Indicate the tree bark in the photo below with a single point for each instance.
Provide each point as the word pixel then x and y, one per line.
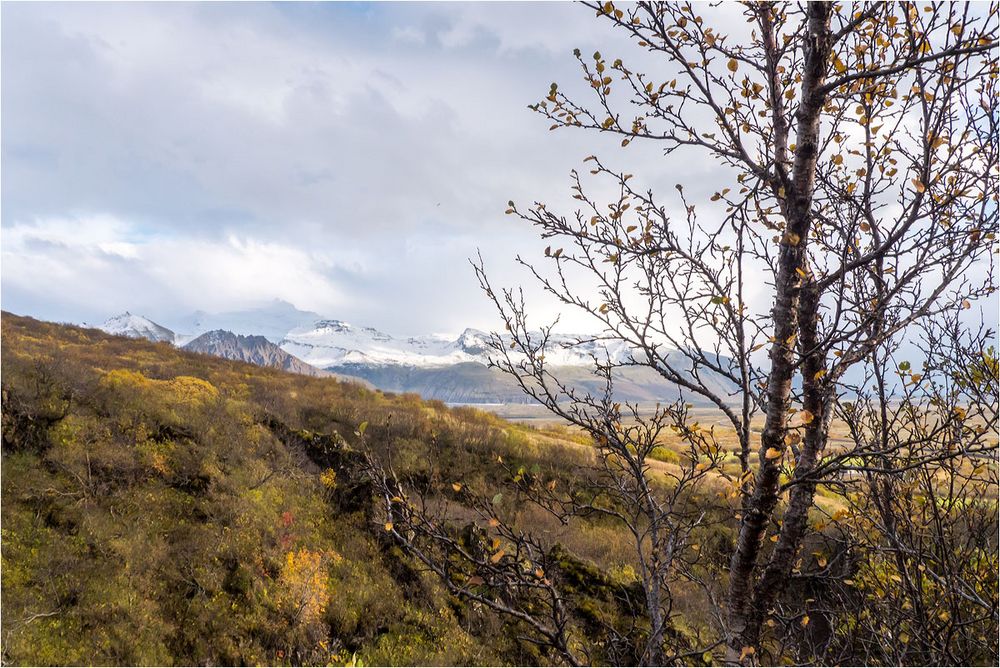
pixel 796 205
pixel 816 399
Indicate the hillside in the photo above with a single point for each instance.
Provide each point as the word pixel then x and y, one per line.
pixel 164 507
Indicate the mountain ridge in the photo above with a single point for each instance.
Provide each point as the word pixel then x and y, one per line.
pixel 254 349
pixel 451 369
pixel 137 327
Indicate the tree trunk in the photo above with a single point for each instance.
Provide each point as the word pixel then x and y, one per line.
pixel 816 399
pixel 797 204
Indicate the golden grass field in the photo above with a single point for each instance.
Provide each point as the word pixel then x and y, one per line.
pixel 551 429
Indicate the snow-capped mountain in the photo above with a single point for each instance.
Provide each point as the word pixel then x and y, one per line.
pixel 456 369
pixel 137 327
pixel 436 366
pixel 333 343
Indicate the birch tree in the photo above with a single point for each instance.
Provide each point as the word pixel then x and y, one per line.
pixel 857 153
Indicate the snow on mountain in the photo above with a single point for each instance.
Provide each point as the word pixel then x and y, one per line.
pixel 136 327
pixel 329 343
pixel 436 366
pixel 333 343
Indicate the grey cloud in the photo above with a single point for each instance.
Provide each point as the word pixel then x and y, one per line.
pixel 373 165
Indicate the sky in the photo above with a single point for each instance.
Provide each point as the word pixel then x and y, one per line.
pixel 346 158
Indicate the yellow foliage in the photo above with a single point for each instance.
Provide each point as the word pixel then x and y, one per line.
pixel 328 478
pixel 180 390
pixel 193 390
pixel 124 378
pixel 305 579
pixel 159 463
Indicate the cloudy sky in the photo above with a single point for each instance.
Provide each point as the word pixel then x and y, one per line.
pixel 347 158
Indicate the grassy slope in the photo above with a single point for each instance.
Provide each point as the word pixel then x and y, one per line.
pixel 157 510
pixel 159 521
pixel 164 507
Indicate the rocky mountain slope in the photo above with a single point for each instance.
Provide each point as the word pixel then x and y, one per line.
pixel 475 383
pixel 254 349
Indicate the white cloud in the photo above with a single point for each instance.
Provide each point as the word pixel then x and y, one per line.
pixel 347 159
pixel 111 261
pixel 409 35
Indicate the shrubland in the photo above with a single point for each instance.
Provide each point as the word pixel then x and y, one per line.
pixel 164 507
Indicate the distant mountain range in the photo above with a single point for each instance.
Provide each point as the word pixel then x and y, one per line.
pixel 437 367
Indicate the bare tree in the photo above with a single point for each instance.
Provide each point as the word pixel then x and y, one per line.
pixel 923 521
pixel 857 147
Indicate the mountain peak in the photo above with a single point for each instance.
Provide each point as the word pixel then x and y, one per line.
pixel 137 327
pixel 254 349
pixel 333 325
pixel 473 341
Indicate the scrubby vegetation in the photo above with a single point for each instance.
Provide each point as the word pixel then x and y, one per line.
pixel 163 507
